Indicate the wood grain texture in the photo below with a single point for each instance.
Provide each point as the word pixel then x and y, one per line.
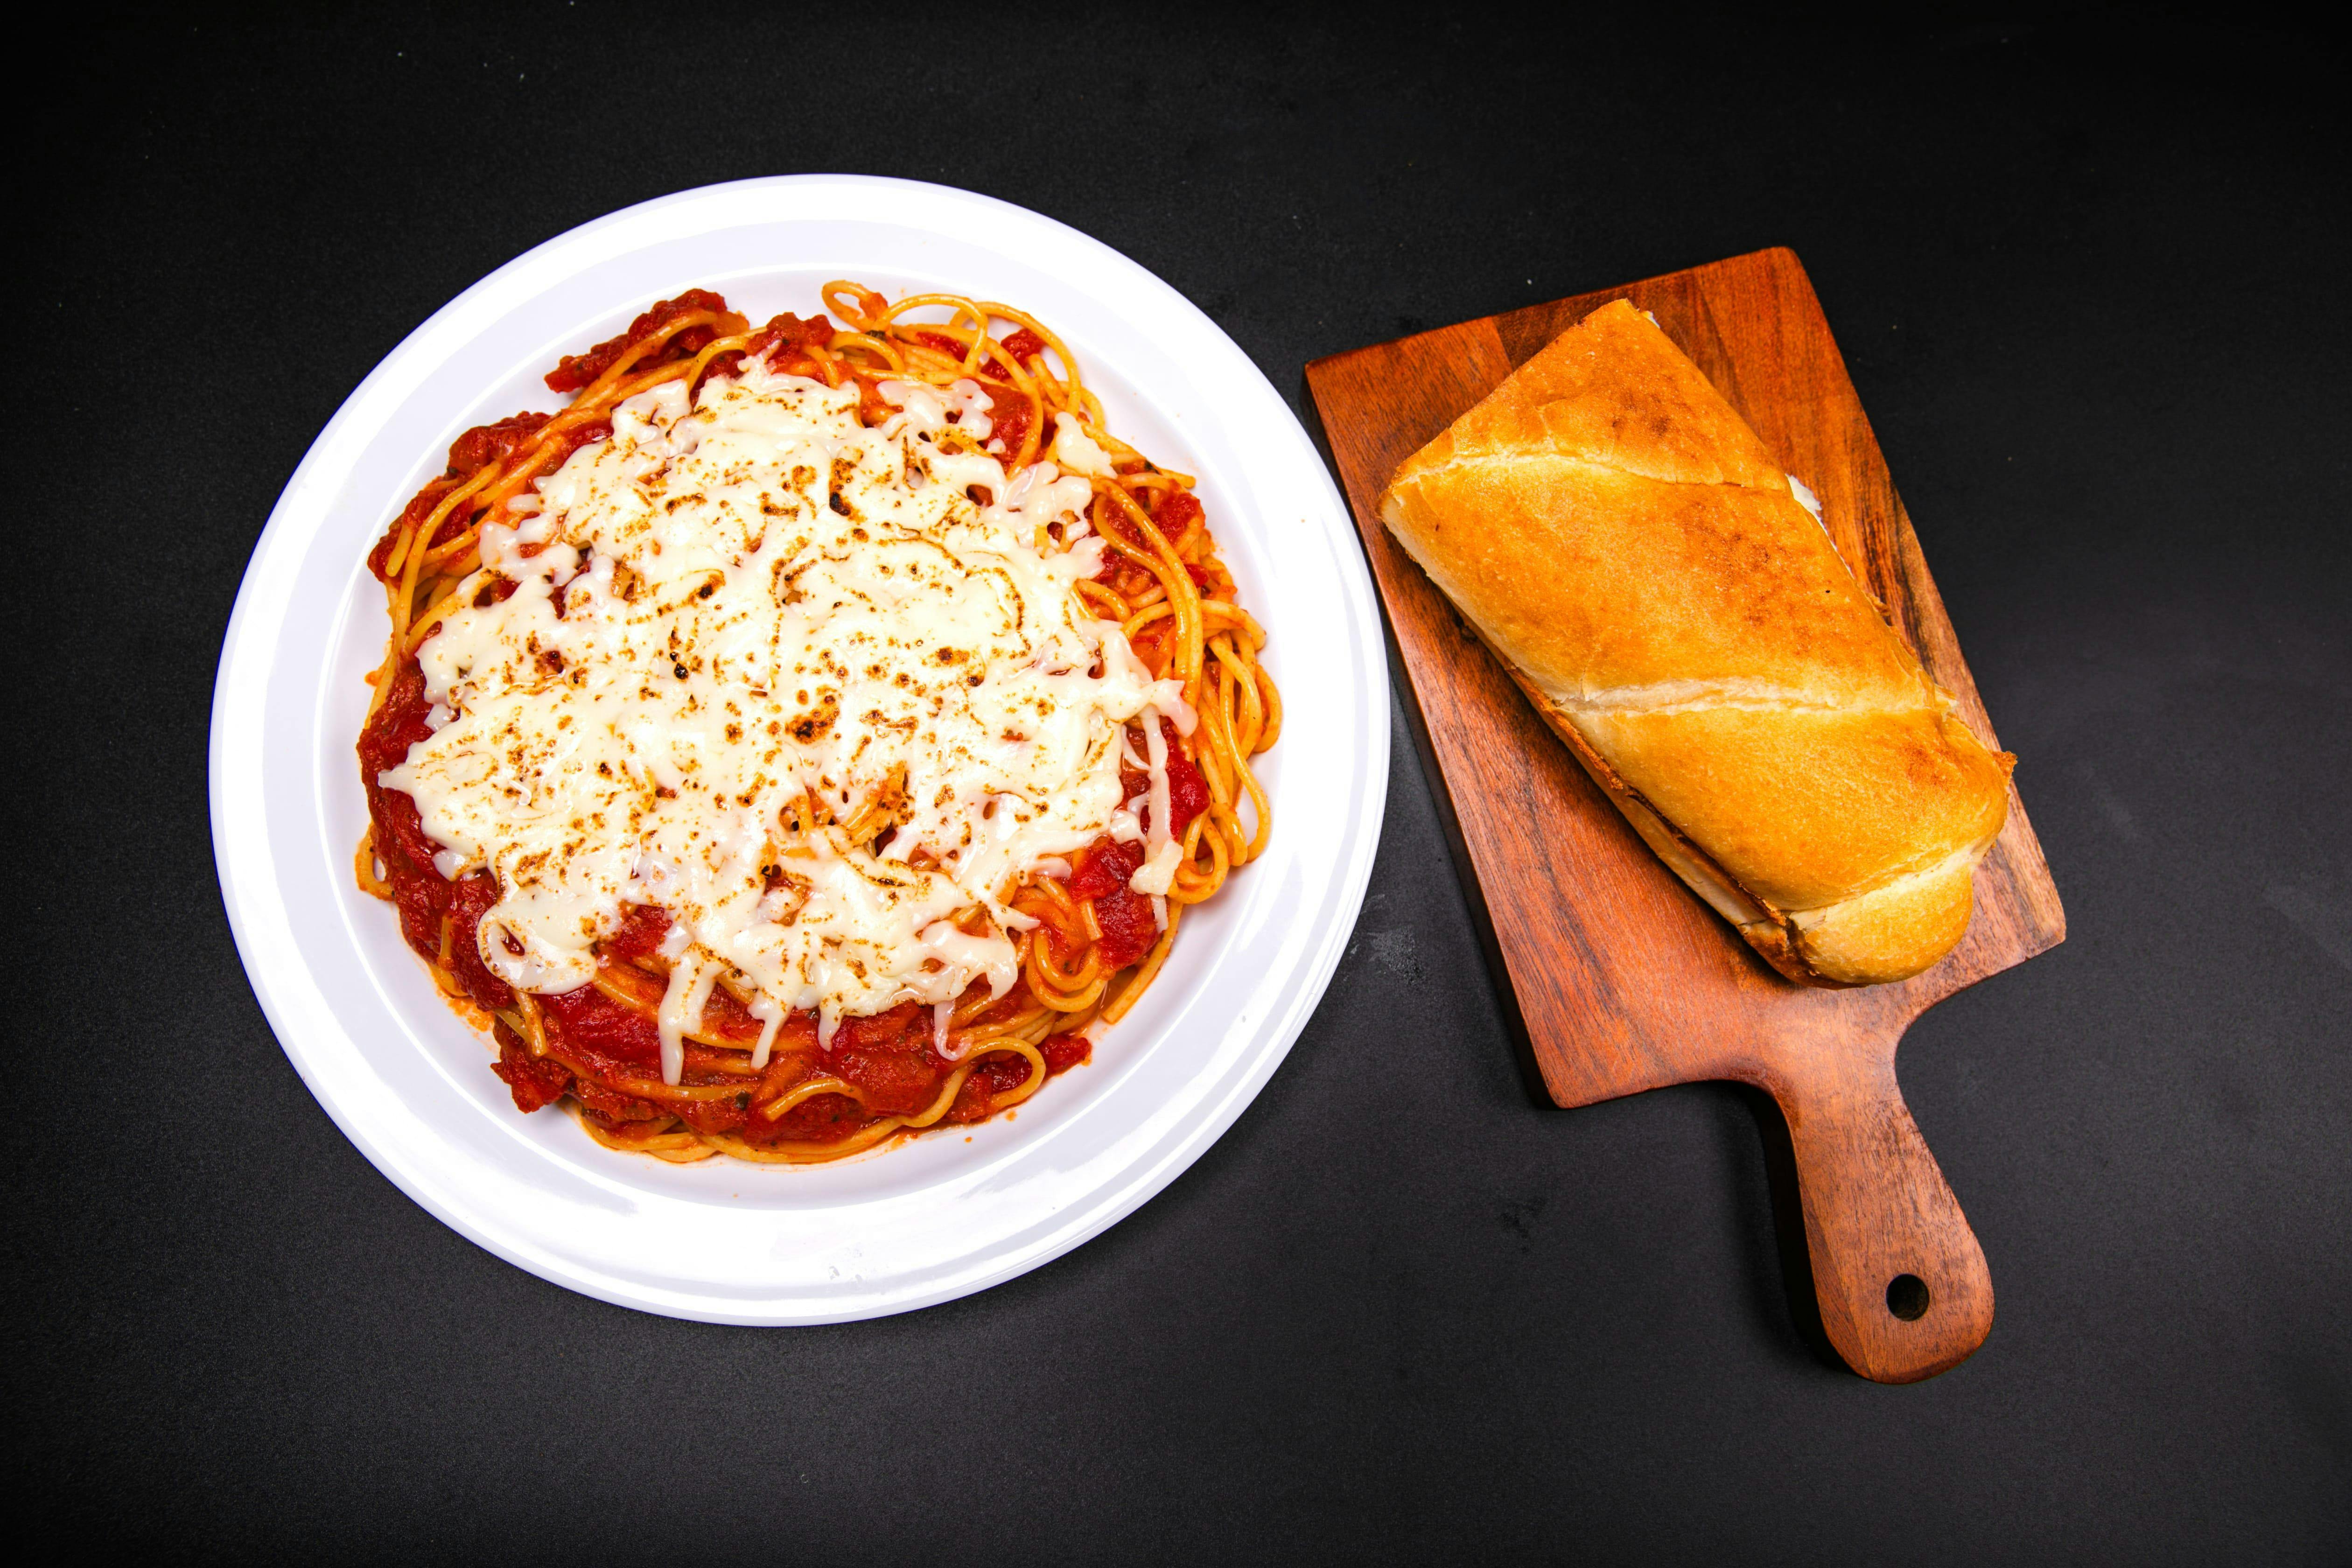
pixel 1623 980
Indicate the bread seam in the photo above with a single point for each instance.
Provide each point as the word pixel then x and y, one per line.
pixel 1414 476
pixel 1611 702
pixel 1968 854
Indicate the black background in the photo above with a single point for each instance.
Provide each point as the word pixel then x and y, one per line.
pixel 2090 279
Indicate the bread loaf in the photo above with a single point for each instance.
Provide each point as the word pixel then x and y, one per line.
pixel 1637 559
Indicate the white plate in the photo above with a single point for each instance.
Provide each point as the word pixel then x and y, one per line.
pixel 934 1218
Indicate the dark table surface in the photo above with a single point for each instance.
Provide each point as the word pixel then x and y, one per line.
pixel 2090 283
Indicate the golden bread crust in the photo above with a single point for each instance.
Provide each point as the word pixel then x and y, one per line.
pixel 1807 807
pixel 1596 581
pixel 1850 942
pixel 1613 390
pixel 1629 550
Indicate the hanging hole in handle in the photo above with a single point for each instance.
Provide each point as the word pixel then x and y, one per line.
pixel 1907 1296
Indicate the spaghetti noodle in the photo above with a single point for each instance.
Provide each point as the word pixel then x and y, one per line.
pixel 811 735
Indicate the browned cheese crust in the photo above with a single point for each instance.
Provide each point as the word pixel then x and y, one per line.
pixel 1629 549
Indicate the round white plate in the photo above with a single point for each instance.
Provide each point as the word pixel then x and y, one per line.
pixel 936 1218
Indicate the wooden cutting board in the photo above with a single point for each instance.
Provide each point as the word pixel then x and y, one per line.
pixel 1624 980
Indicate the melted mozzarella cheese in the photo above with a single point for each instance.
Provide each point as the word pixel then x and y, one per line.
pixel 1077 451
pixel 724 610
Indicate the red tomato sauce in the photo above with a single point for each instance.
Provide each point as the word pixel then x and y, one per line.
pixel 495 442
pixel 1099 874
pixel 1010 414
pixel 574 372
pixel 1176 513
pixel 1188 792
pixel 787 341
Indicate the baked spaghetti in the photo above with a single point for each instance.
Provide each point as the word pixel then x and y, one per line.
pixel 811 735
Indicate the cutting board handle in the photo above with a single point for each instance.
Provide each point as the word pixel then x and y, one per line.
pixel 1902 1283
